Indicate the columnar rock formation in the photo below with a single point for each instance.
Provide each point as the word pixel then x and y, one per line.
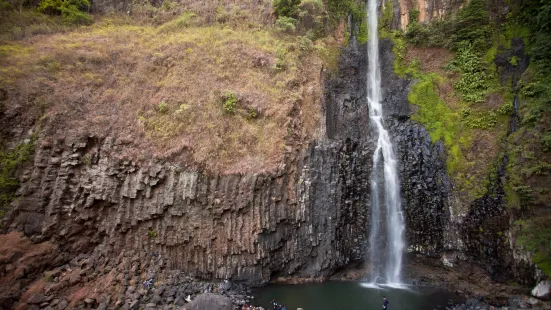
pixel 307 220
pixel 428 10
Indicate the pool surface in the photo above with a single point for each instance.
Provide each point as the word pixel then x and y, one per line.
pixel 335 295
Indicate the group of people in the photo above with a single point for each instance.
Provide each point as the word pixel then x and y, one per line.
pixel 278 306
pixel 282 307
pixel 251 307
pixel 274 304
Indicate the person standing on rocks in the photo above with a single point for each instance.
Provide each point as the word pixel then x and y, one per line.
pixel 385 303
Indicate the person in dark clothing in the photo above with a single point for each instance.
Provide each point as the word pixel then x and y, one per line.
pixel 385 303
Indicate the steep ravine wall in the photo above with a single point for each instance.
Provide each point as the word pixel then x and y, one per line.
pixel 306 221
pixel 428 10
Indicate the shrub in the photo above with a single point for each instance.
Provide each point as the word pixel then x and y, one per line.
pixel 71 10
pixel 473 25
pixel 281 59
pixel 185 20
pixel 312 18
pixel 162 107
pixel 10 162
pixel 416 34
pixel 252 114
pixel 534 236
pixel 286 8
pixel 340 8
pixel 230 102
pixel 473 83
pixel 306 44
pixel 286 24
pixel 5 6
pixel 152 234
pixel 546 141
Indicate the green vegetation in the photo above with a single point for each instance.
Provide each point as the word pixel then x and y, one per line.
pixel 162 107
pixel 474 79
pixel 187 19
pixel 441 121
pixel 10 162
pixel 230 102
pixel 152 234
pixel 471 24
pixel 73 11
pixel 472 120
pixel 341 8
pixel 17 25
pixel 536 238
pixel 286 8
pixel 286 24
pixel 462 104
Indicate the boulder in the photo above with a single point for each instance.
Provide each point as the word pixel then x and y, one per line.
pixel 62 304
pixel 36 299
pixel 542 290
pixel 210 301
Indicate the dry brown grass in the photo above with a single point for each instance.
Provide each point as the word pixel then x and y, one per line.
pixel 432 59
pixel 20 261
pixel 18 250
pixel 110 80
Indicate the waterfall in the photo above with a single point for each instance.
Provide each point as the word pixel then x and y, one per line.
pixel 386 239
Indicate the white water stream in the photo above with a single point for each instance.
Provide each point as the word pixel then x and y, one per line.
pixel 386 240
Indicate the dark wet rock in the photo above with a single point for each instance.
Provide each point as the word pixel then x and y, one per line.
pixel 62 304
pixel 102 306
pixel 134 305
pixel 36 299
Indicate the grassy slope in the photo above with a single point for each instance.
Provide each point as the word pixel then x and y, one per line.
pixel 159 89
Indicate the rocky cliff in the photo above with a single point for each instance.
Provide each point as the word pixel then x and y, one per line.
pixel 426 9
pixel 307 220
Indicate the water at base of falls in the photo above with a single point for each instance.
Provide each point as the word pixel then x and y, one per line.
pixel 334 295
pixel 386 241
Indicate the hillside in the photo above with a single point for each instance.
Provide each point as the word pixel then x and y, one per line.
pixel 192 142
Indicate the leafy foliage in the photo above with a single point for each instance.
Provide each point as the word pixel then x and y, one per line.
pixel 71 10
pixel 286 24
pixel 286 8
pixel 472 25
pixel 10 162
pixel 441 121
pixel 162 107
pixel 340 8
pixel 185 20
pixel 536 237
pixel 473 83
pixel 230 102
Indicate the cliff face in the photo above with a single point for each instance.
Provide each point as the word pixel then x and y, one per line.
pixel 306 220
pixel 428 10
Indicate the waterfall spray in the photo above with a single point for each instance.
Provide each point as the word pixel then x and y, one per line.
pixel 386 250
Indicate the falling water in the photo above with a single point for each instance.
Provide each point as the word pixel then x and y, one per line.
pixel 385 248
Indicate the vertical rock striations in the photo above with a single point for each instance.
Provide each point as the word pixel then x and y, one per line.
pixel 306 220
